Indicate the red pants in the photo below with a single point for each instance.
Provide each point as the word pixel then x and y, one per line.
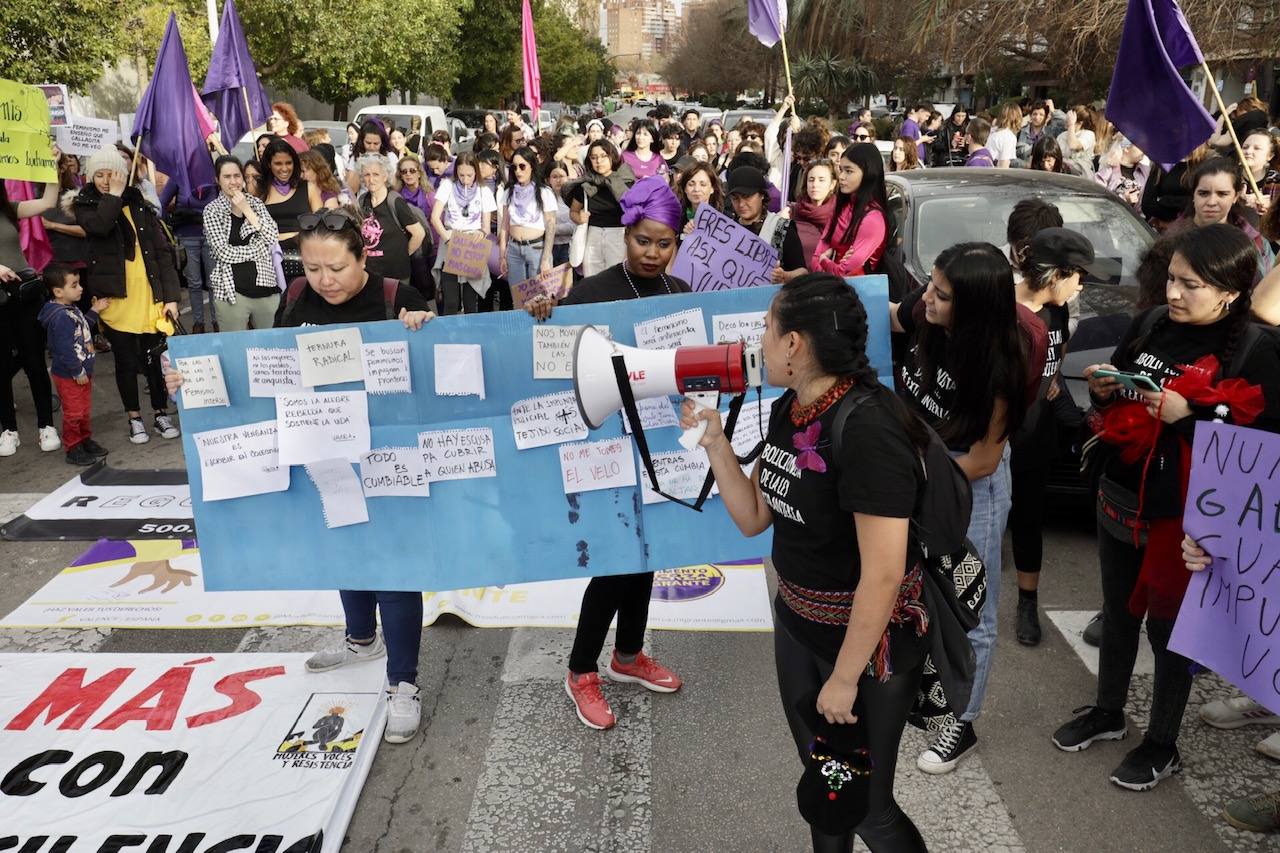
pixel 77 410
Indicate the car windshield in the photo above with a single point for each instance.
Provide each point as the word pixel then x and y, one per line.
pixel 411 124
pixel 1119 240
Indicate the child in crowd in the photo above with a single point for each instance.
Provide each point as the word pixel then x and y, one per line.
pixel 71 343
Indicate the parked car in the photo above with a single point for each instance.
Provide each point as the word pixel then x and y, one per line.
pixel 473 119
pixel 732 118
pixel 937 208
pixel 416 118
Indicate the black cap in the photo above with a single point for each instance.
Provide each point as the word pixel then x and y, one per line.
pixel 1061 248
pixel 746 180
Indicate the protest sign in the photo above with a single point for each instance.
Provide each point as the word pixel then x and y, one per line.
pixel 1230 612
pixel 168 751
pixel 330 357
pixel 320 426
pixel 87 136
pixel 240 461
pixel 202 382
pixel 55 95
pixel 554 283
pixel 553 350
pixel 719 254
pixel 467 255
pixel 25 151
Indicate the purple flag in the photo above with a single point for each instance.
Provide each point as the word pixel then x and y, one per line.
pixel 232 90
pixel 167 119
pixel 1149 101
pixel 767 20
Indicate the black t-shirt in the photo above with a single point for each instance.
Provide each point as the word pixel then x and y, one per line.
pixel 1056 319
pixel 792 255
pixel 611 285
pixel 815 543
pixel 605 210
pixel 245 275
pixel 386 243
pixel 366 306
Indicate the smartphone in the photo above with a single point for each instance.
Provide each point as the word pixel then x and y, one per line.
pixel 1132 381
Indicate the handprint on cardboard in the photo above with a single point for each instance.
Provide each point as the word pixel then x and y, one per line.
pixel 162 573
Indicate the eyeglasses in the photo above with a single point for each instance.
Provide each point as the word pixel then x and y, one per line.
pixel 409 171
pixel 862 137
pixel 331 220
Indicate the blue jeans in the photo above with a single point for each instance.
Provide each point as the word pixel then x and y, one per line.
pixel 198 269
pixel 401 627
pixel 992 497
pixel 523 262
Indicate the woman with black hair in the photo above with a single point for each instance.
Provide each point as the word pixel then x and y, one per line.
pixel 462 205
pixel 1187 349
pixel 856 236
pixel 287 195
pixel 1217 196
pixel 594 201
pixel 641 153
pixel 373 140
pixel 850 637
pixel 974 367
pixel 1046 156
pixel 526 218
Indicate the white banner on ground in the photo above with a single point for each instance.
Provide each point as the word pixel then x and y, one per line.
pixel 159 584
pixel 102 501
pixel 164 751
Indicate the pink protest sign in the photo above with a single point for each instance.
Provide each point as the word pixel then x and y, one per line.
pixel 719 254
pixel 1231 610
pixel 467 256
pixel 555 283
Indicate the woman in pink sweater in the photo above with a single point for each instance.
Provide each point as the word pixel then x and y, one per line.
pixel 855 239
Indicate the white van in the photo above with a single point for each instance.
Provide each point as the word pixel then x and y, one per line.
pixel 415 118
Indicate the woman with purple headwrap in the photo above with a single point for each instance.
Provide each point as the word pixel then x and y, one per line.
pixel 651 218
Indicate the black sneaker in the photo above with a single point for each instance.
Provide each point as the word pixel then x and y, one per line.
pixel 78 455
pixel 1028 621
pixel 952 743
pixel 1093 631
pixel 1144 767
pixel 1093 724
pixel 93 447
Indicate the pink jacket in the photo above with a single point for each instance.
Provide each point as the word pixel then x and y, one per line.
pixel 858 257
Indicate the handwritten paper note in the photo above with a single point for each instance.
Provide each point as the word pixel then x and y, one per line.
pixel 87 136
pixel 458 454
pixel 467 255
pixel 386 368
pixel 555 283
pixel 655 413
pixel 240 461
pixel 680 473
pixel 330 357
pixel 719 254
pixel 394 472
pixel 751 427
pixel 459 370
pixel 272 371
pixel 325 425
pixel 550 419
pixel 592 465
pixel 682 329
pixel 553 350
pixel 202 382
pixel 341 499
pixel 731 328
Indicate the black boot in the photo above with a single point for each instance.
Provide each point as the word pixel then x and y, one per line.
pixel 1028 619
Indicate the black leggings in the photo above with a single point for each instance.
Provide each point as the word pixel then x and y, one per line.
pixel 1033 449
pixel 132 353
pixel 457 297
pixel 21 331
pixel 625 595
pixel 801 674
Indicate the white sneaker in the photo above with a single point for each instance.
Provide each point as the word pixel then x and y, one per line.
pixel 49 439
pixel 1236 712
pixel 1270 747
pixel 9 442
pixel 347 652
pixel 165 427
pixel 404 713
pixel 138 431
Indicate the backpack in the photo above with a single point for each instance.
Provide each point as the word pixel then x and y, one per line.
pixel 291 296
pixel 418 216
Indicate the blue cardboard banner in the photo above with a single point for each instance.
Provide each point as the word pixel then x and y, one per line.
pixel 516 527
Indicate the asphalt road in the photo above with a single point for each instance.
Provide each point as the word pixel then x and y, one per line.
pixel 502 764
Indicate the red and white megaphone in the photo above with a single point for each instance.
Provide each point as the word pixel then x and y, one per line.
pixel 701 373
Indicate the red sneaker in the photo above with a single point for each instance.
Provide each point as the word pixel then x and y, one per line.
pixel 589 701
pixel 645 671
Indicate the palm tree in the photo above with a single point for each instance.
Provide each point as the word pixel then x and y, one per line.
pixel 833 79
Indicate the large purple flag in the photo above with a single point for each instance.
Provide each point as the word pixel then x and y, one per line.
pixel 1149 101
pixel 232 90
pixel 167 119
pixel 767 20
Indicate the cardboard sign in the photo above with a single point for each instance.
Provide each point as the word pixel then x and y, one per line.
pixel 719 254
pixel 467 255
pixel 87 136
pixel 1225 622
pixel 555 283
pixel 25 152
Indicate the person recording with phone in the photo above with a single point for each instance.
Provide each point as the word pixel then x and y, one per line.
pixel 1209 363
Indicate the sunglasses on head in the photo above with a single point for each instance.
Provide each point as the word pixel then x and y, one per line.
pixel 331 220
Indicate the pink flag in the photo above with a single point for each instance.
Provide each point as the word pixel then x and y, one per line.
pixel 32 238
pixel 532 76
pixel 203 115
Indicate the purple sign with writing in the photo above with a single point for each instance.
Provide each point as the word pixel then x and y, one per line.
pixel 1231 612
pixel 719 254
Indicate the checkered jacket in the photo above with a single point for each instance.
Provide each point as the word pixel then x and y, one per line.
pixel 262 240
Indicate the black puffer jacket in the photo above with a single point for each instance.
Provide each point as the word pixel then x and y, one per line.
pixel 112 242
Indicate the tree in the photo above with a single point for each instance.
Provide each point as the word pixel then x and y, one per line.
pixel 836 81
pixel 66 42
pixel 573 63
pixel 719 55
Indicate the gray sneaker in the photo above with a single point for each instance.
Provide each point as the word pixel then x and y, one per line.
pixel 1260 813
pixel 165 427
pixel 404 713
pixel 347 652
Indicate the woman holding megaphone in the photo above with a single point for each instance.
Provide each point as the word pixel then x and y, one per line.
pixel 651 219
pixel 850 636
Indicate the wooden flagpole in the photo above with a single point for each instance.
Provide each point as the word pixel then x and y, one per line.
pixel 1226 120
